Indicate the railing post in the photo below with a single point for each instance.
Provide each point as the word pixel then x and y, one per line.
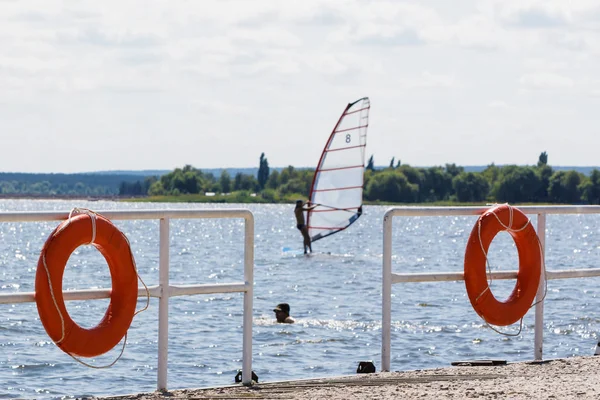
pixel 538 346
pixel 386 293
pixel 163 305
pixel 248 295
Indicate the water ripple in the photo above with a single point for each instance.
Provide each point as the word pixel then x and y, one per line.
pixel 335 297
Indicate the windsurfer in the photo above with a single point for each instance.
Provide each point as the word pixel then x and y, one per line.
pixel 301 224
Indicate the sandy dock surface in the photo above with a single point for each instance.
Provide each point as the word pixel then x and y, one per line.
pixel 570 378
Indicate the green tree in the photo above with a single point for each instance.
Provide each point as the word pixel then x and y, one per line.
pixel 436 184
pixel 371 164
pixel 367 177
pixel 80 188
pixel 270 195
pixel 590 188
pixel 245 182
pixel 543 159
pixel 208 183
pixel 414 176
pixel 491 173
pixel 132 189
pixel 7 187
pixel 263 172
pixel 295 185
pixel 157 189
pixel 287 174
pixel 187 180
pixel 225 181
pixel 454 170
pixel 182 180
pixel 470 187
pixel 565 187
pixel 237 181
pixel 273 181
pixel 544 173
pixel 42 187
pixel 392 186
pixel 517 184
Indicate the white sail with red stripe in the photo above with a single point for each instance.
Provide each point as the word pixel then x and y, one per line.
pixel 337 185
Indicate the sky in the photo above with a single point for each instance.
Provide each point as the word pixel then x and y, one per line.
pixel 147 84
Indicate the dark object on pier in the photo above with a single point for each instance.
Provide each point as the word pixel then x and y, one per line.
pixel 478 363
pixel 365 367
pixel 238 377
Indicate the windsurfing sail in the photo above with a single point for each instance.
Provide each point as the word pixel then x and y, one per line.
pixel 338 181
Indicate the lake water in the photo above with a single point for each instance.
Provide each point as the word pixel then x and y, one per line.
pixel 335 296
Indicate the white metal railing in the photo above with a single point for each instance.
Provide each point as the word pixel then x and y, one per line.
pixel 164 290
pixel 390 278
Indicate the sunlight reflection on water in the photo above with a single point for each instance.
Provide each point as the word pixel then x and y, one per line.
pixel 335 296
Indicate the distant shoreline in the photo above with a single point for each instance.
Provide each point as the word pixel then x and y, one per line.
pixel 17 196
pixel 191 199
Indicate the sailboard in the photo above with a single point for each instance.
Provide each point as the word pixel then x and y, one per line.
pixel 337 185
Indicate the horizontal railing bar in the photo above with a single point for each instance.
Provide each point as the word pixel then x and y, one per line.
pixel 453 211
pixel 153 291
pixel 27 216
pixel 206 289
pixel 428 277
pixel 184 290
pixel 460 276
pixel 573 273
pixel 80 294
pixel 447 276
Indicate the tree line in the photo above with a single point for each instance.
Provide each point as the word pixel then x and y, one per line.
pixel 81 184
pixel 397 183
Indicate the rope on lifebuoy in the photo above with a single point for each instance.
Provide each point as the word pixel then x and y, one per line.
pixel 493 312
pixel 113 241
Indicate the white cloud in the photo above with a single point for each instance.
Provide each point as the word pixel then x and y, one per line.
pixel 212 83
pixel 477 32
pixel 546 80
pixel 277 37
pixel 498 104
pixel 536 16
pixel 429 80
pixel 546 14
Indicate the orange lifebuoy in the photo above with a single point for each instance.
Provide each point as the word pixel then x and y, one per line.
pixel 502 218
pixel 86 228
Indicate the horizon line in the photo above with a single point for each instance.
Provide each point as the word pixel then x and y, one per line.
pixel 113 171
